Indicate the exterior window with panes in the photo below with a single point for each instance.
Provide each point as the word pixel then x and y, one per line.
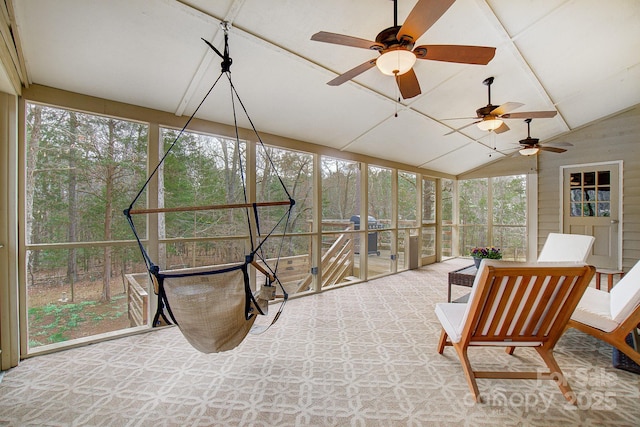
pixel 591 194
pixel 81 170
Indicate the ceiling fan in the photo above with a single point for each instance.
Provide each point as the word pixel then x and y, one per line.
pixel 491 116
pixel 396 47
pixel 531 146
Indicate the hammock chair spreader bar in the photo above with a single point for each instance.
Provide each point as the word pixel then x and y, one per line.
pixel 290 202
pixel 262 270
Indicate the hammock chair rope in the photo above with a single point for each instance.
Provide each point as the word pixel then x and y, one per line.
pixel 215 306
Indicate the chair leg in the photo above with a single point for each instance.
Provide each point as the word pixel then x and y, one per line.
pixel 556 374
pixel 615 338
pixel 468 372
pixel 622 345
pixel 510 350
pixel 443 341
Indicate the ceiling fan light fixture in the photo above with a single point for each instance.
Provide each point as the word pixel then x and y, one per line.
pixel 529 151
pixel 396 62
pixel 490 123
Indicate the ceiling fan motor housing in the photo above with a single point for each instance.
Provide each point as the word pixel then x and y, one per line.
pixel 388 37
pixel 485 111
pixel 530 141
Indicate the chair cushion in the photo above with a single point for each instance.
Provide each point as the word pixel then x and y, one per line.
pixel 593 310
pixel 450 316
pixel 625 295
pixel 566 247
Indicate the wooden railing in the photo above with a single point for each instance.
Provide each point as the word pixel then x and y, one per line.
pixel 294 273
pixel 337 262
pixel 137 299
pixel 291 271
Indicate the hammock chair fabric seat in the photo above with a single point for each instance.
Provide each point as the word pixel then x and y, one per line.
pixel 210 305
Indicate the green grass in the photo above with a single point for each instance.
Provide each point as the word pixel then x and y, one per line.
pixel 56 322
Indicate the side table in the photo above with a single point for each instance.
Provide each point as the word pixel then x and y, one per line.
pixel 609 274
pixel 461 277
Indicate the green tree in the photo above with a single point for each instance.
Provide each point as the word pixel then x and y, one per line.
pixel 407 198
pixel 340 189
pixel 81 171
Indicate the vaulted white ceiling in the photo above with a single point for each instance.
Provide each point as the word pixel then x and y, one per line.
pixel 579 57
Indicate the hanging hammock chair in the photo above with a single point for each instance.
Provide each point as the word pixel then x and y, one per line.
pixel 215 307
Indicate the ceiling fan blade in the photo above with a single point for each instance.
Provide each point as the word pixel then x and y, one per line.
pixel 530 115
pixel 559 144
pixel 465 126
pixel 408 84
pixel 460 118
pixel 461 54
pixel 505 108
pixel 423 15
pixel 502 128
pixel 352 73
pixel 552 149
pixel 343 40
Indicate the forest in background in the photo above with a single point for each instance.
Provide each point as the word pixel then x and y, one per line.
pixel 83 170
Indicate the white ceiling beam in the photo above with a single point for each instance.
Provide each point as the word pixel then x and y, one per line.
pixel 509 45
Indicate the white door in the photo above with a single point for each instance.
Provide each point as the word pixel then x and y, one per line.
pixel 591 197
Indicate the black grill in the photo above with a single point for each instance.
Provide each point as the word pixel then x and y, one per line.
pixel 372 237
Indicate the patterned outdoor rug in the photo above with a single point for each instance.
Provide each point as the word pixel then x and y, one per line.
pixel 362 355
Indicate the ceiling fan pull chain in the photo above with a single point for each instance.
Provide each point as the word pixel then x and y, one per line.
pixel 397 96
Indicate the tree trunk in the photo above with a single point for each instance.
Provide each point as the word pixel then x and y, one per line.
pixel 72 211
pixel 109 178
pixel 231 163
pixel 266 176
pixel 33 147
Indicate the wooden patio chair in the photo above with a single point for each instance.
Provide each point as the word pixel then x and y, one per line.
pixel 612 316
pixel 515 305
pixel 566 247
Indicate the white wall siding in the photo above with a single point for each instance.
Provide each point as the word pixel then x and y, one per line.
pixel 616 138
